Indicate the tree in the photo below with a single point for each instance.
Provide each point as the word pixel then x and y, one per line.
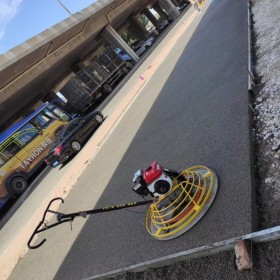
pixel 144 20
pixel 128 37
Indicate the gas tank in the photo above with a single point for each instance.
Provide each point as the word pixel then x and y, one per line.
pixel 152 172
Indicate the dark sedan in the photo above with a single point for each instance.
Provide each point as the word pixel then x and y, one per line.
pixel 162 25
pixel 70 139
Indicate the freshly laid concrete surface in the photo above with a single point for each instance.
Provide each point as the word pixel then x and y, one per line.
pixel 192 110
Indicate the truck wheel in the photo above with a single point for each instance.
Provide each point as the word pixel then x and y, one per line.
pixel 76 146
pixel 125 70
pixel 106 89
pixel 18 185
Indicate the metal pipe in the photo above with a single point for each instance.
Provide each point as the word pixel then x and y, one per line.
pixel 250 61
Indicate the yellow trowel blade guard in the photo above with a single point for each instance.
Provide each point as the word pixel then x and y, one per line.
pixel 180 209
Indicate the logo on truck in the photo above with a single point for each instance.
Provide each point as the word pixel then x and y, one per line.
pixel 28 160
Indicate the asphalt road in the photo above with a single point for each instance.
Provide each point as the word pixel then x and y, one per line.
pixel 194 110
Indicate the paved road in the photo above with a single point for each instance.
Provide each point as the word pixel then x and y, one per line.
pixel 194 110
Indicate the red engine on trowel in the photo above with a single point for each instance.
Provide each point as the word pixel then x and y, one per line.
pixel 154 180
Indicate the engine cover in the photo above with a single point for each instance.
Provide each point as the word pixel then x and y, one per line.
pixel 153 180
pixel 161 185
pixel 152 172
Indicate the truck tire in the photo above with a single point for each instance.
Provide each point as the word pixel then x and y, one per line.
pixel 125 70
pixel 18 185
pixel 106 89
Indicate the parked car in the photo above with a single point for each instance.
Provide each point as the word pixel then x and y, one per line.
pixel 141 48
pixel 71 137
pixel 162 25
pixel 135 44
pixel 183 6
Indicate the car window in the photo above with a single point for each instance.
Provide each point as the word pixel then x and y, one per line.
pixel 55 113
pixel 2 160
pixel 26 134
pixel 11 150
pixel 41 120
pixel 70 127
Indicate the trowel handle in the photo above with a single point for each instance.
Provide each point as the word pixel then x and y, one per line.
pixel 42 225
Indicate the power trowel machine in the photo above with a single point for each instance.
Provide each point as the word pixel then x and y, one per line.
pixel 179 201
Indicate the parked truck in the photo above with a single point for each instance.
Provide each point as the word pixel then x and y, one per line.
pixel 95 80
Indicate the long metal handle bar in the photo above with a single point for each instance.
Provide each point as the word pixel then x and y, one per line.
pixel 63 218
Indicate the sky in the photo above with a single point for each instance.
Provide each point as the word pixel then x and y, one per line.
pixel 20 20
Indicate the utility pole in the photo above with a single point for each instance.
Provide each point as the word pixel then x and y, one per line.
pixel 64 7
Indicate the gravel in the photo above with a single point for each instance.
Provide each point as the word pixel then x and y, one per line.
pixel 267 108
pixel 266 136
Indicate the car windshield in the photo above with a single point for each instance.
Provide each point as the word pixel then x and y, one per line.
pixel 68 129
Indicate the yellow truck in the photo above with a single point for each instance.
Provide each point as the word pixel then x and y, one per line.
pixel 24 146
